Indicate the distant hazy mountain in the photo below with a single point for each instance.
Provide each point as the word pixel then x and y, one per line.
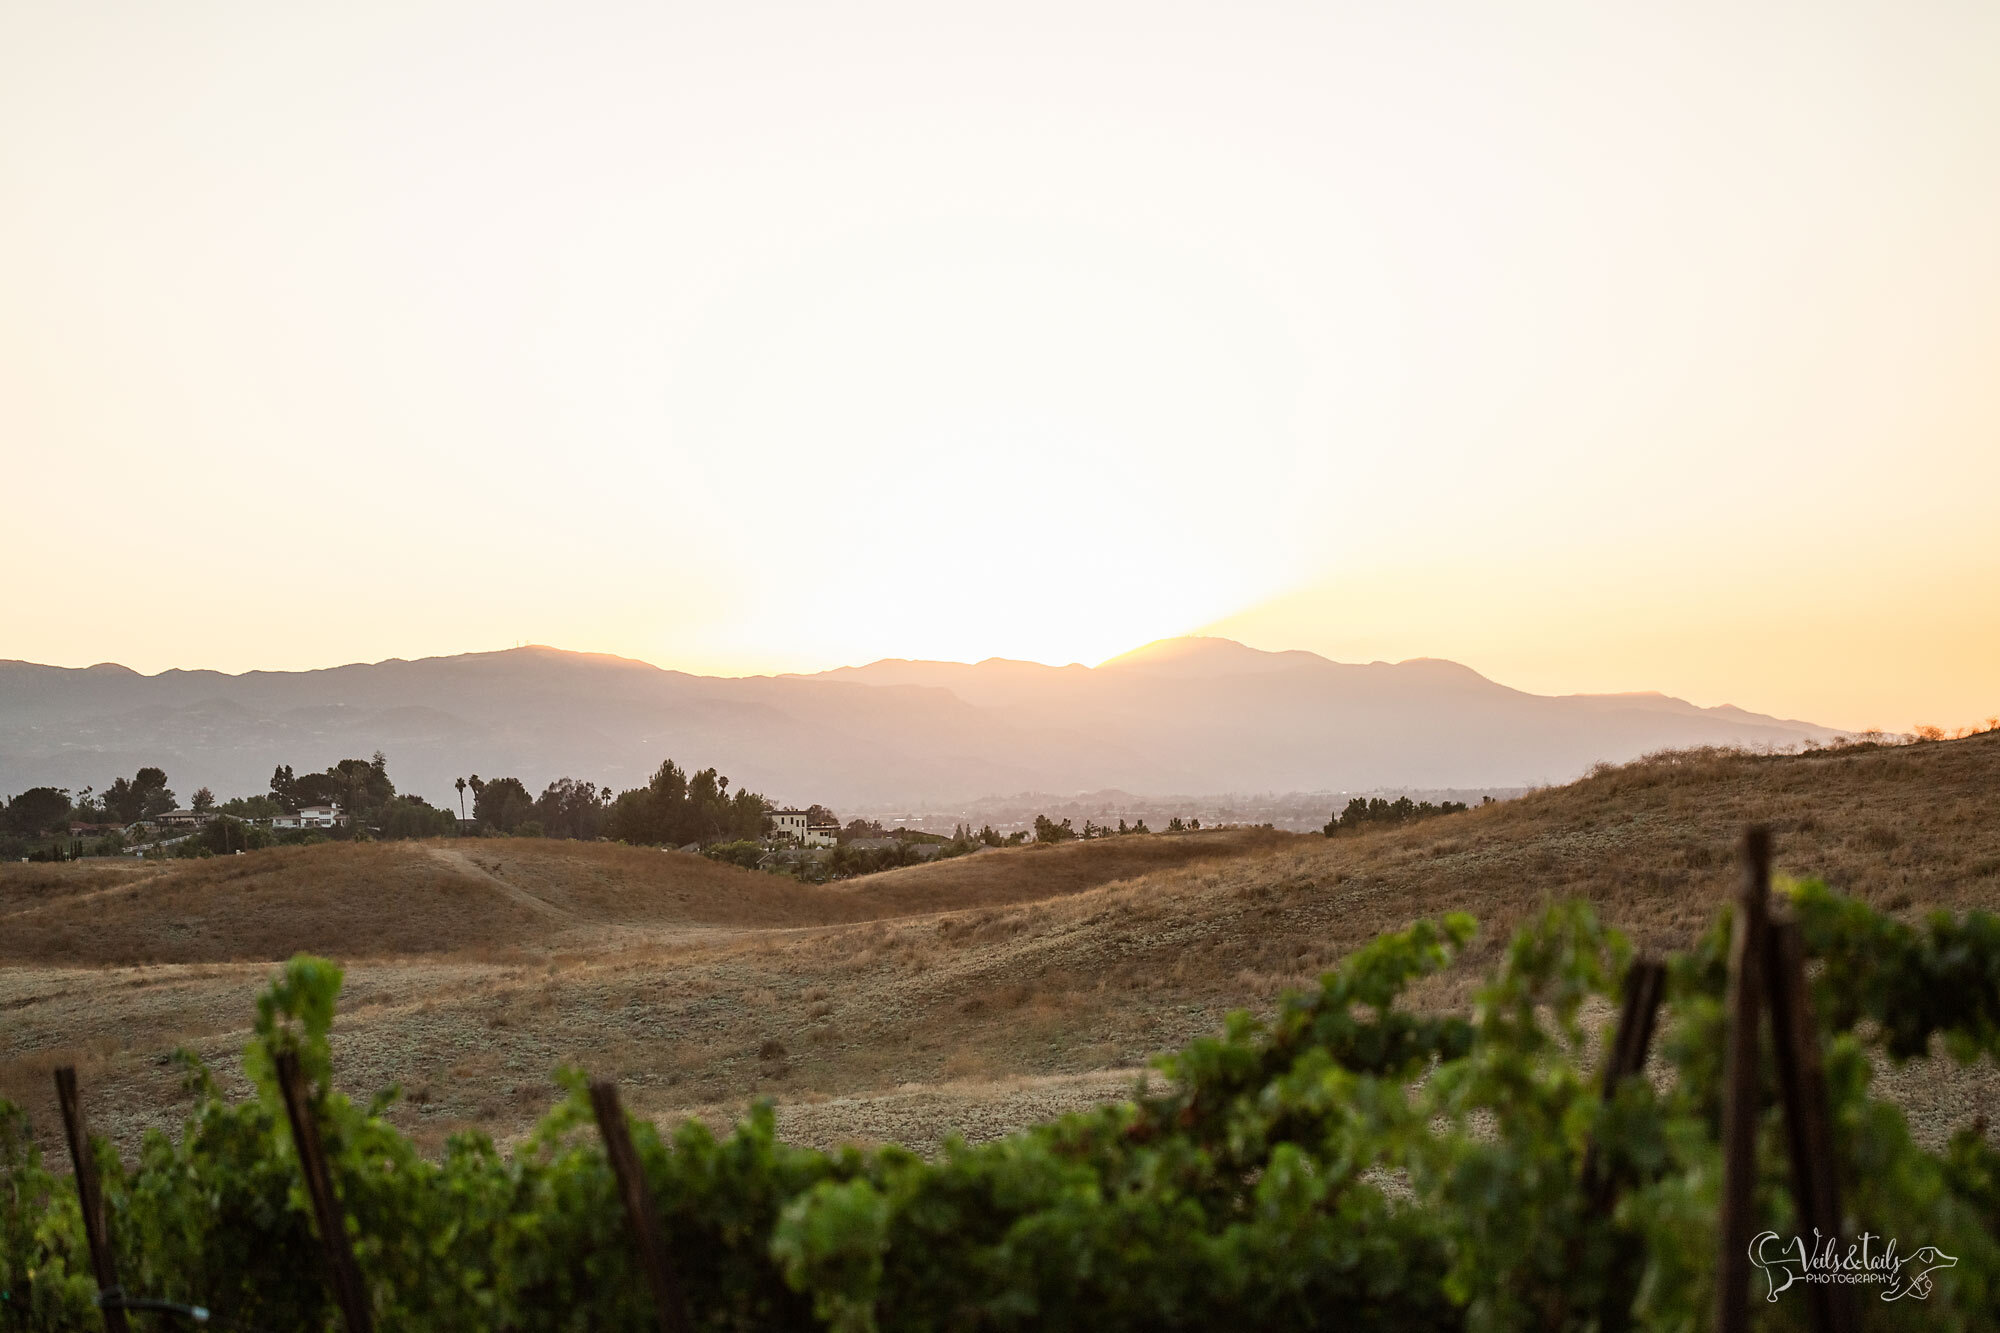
pixel 1181 715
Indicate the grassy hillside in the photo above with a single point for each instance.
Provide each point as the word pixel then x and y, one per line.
pixel 512 897
pixel 354 900
pixel 971 994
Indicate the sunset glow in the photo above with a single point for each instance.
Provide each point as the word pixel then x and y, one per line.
pixel 1598 349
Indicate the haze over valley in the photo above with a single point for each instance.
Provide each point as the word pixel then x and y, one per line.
pixel 1192 716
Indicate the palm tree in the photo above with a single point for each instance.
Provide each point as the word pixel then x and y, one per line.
pixel 461 797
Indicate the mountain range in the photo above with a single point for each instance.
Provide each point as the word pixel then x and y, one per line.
pixel 1181 715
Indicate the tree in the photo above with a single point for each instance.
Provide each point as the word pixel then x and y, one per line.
pixel 360 787
pixel 633 818
pixel 504 804
pixel 202 801
pixel 413 817
pixel 259 806
pixel 460 784
pixel 317 789
pixel 144 794
pixel 749 814
pixel 121 802
pixel 37 810
pixel 704 797
pixel 1355 814
pixel 1047 830
pixel 572 809
pixel 224 837
pixel 155 798
pixel 364 786
pixel 669 787
pixel 676 809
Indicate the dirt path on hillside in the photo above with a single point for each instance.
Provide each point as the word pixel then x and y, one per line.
pixel 471 869
pixel 91 895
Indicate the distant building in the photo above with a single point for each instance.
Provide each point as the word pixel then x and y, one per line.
pixel 311 816
pixel 182 818
pixel 798 825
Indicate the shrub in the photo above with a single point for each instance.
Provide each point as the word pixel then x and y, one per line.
pixel 746 853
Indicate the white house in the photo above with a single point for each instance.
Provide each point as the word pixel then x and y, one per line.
pixel 311 816
pixel 797 825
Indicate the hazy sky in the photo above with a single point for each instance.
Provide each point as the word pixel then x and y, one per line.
pixel 1599 346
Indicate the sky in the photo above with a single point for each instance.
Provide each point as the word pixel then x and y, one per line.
pixel 1598 346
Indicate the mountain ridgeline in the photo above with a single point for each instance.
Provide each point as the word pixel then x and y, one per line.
pixel 1183 715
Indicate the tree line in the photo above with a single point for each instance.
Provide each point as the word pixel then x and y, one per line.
pixel 1377 813
pixel 674 808
pixel 41 810
pixel 1051 830
pixel 36 823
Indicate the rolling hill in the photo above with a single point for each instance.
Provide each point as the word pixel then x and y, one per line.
pixel 1180 716
pixel 967 995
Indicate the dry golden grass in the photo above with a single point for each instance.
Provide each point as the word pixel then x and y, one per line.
pixel 492 896
pixel 30 884
pixel 1026 874
pixel 350 900
pixel 896 999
